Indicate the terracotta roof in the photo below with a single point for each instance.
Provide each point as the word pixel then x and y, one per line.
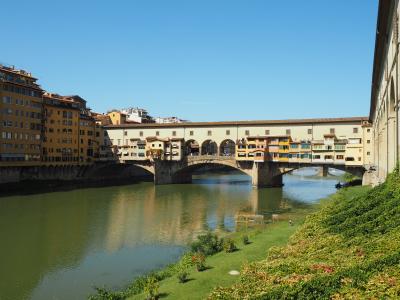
pixel 239 123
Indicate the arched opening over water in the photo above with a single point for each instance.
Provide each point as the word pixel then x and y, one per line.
pixel 209 147
pixel 205 173
pixel 227 148
pixel 192 148
pixel 334 171
pixel 122 172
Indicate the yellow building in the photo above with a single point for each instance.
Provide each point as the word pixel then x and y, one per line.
pixel 61 128
pixel 284 144
pixel 117 118
pixel 21 118
pixel 89 145
pixel 156 147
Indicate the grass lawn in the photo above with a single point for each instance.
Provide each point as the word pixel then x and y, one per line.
pixel 200 284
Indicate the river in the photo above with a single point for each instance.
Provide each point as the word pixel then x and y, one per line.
pixel 58 245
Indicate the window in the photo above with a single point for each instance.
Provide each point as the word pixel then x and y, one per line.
pixel 355 130
pixel 368 153
pixel 209 133
pixel 368 141
pixel 191 132
pixel 174 133
pixel 6 100
pixel 339 157
pixel 287 131
pixel 125 133
pixel 140 133
pixel 247 132
pixel 368 130
pixel 332 131
pixel 309 131
pixel 228 132
pixel 157 133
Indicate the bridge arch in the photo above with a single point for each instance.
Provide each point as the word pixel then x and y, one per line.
pixel 209 147
pixel 184 173
pixel 192 148
pixel 227 148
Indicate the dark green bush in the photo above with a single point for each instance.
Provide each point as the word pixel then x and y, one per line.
pixel 183 276
pixel 208 244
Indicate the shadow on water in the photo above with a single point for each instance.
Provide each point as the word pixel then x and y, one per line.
pixel 30 187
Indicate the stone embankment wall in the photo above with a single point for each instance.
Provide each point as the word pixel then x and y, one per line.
pixel 98 172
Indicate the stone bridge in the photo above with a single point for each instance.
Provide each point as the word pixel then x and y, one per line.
pixel 263 174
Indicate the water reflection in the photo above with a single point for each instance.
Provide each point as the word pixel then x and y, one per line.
pixel 58 245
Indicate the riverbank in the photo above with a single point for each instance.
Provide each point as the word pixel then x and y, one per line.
pixel 347 250
pixel 200 284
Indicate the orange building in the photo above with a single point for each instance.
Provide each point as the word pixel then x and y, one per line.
pixel 61 126
pixel 21 118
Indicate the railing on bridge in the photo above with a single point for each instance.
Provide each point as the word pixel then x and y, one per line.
pixel 209 157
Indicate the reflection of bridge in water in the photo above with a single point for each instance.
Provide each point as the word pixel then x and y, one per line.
pixel 263 174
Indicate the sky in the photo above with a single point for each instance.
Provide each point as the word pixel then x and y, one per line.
pixel 205 60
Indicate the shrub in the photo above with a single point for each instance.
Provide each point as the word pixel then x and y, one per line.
pixel 151 288
pixel 105 294
pixel 245 239
pixel 183 276
pixel 208 244
pixel 229 245
pixel 199 260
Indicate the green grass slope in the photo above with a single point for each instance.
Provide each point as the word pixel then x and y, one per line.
pixel 350 249
pixel 200 284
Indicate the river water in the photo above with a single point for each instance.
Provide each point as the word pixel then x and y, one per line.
pixel 58 245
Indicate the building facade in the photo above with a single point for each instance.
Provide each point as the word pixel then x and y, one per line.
pixel 384 109
pixel 344 141
pixel 21 112
pixel 41 128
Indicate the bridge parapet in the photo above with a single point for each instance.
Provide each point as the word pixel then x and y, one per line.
pixel 210 157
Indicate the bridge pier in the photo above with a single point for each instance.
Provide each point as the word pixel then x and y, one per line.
pixel 167 172
pixel 264 174
pixel 325 171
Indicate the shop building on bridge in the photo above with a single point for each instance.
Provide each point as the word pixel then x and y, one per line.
pixel 341 141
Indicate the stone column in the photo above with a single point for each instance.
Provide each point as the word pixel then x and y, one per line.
pixel 264 174
pixel 168 172
pixel 325 171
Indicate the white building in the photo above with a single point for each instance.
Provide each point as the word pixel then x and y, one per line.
pixel 137 115
pixel 169 120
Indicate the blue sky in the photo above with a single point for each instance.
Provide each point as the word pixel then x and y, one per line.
pixel 203 60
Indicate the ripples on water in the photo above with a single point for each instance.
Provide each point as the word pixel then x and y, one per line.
pixel 58 245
